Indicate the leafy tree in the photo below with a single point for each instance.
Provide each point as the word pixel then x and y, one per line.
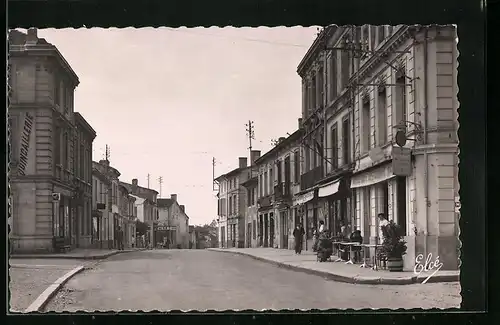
pixel 141 227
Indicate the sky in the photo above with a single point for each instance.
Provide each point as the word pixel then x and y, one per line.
pixel 166 101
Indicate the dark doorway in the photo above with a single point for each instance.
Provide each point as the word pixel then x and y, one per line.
pixel 222 236
pixel 284 229
pixel 271 230
pixel 315 219
pixel 261 230
pixel 385 193
pixel 249 235
pixel 401 197
pixel 266 230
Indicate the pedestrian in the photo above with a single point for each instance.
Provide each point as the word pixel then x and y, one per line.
pixel 120 238
pixel 133 241
pixel 321 226
pixel 382 222
pixel 298 234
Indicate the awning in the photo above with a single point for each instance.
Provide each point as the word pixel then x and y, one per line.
pixel 304 198
pixel 329 188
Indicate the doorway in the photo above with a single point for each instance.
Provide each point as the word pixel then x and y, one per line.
pixel 271 230
pixel 266 230
pixel 222 236
pixel 401 199
pixel 249 235
pixel 284 229
pixel 261 230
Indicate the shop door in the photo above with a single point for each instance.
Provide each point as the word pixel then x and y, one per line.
pixel 261 230
pixel 266 230
pixel 222 236
pixel 284 229
pixel 271 230
pixel 249 235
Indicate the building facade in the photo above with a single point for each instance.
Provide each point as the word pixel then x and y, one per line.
pixel 101 216
pixel 146 208
pixel 363 102
pixel 251 213
pixel 85 230
pixel 44 171
pixel 232 201
pixel 282 166
pixel 172 228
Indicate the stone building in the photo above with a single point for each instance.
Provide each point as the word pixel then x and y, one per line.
pixel 232 201
pixel 375 82
pixel 101 215
pixel 251 214
pixel 281 165
pixel 172 228
pixel 44 166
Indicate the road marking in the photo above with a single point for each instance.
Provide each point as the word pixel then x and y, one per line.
pixel 42 299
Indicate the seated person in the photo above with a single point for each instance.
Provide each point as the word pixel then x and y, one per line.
pixel 357 238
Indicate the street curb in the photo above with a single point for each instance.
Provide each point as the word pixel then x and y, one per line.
pixel 69 257
pixel 44 298
pixel 352 279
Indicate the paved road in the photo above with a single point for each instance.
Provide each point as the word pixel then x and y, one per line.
pixel 166 280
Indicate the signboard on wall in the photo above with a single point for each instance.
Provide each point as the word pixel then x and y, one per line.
pixel 401 161
pixel 23 142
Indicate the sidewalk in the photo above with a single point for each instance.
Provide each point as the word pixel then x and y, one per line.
pixel 84 254
pixel 337 271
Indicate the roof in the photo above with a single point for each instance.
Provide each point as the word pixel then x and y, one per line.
pixel 18 46
pixel 102 166
pixel 124 188
pixel 164 203
pixel 79 119
pixel 130 186
pixel 315 48
pixel 290 139
pixel 231 173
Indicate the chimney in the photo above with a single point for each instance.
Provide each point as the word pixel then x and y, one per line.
pixel 183 208
pixel 135 182
pixel 254 155
pixel 242 162
pixel 173 197
pixel 300 122
pixel 281 139
pixel 32 37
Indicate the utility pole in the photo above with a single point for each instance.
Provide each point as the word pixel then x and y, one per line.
pixel 107 153
pixel 213 174
pixel 148 180
pixel 251 136
pixel 160 180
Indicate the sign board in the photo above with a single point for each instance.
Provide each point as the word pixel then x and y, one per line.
pixel 163 228
pixel 401 161
pixel 372 177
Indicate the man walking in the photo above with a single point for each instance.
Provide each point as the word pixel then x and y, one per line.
pixel 298 234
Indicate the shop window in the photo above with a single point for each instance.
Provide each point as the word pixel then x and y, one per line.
pixel 296 161
pixel 254 229
pixel 344 66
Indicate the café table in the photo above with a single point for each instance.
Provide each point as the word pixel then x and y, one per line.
pixel 350 244
pixel 337 243
pixel 374 267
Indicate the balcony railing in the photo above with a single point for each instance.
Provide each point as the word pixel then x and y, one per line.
pixel 310 178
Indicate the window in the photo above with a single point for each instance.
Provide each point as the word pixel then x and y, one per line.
pixel 249 197
pixel 382 115
pixel 66 150
pixel 66 100
pixel 365 36
pixel 344 68
pixel 314 92
pixel 279 171
pixel 64 94
pixel 346 143
pixel 254 229
pixel 230 205
pixel 235 208
pixel 400 89
pixel 366 124
pixel 304 97
pixel 94 191
pixel 308 159
pixel 57 91
pixel 82 158
pixel 319 149
pixel 266 184
pixel 261 183
pixel 333 75
pixel 296 160
pixel 334 146
pixel 320 87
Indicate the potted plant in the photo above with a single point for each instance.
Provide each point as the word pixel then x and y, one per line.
pixel 393 246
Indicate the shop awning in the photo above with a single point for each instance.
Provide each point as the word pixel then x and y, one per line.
pixel 304 198
pixel 372 177
pixel 329 188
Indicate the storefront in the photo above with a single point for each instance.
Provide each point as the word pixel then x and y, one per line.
pixel 305 208
pixel 335 197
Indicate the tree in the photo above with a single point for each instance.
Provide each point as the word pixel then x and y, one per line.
pixel 141 228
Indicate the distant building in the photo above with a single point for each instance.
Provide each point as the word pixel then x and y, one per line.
pixel 251 186
pixel 50 178
pixel 193 238
pixel 232 205
pixel 101 210
pixel 172 227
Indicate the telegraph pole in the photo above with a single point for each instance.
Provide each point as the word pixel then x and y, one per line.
pixel 213 173
pixel 160 180
pixel 148 179
pixel 107 153
pixel 251 136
